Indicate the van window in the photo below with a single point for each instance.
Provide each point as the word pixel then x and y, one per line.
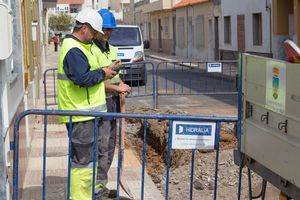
pixel 125 36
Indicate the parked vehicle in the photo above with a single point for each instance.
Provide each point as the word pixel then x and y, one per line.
pixel 128 40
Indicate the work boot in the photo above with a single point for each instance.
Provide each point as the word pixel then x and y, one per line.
pixel 112 194
pixel 103 194
pixel 107 194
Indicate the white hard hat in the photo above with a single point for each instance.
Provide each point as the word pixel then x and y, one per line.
pixel 91 17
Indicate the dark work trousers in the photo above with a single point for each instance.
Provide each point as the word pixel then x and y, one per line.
pixel 82 145
pixel 108 140
pixel 82 141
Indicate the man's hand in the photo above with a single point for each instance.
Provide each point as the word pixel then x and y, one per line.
pixel 109 73
pixel 115 66
pixel 124 88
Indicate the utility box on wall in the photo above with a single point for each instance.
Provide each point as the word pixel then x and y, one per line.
pixel 271 115
pixel 6 22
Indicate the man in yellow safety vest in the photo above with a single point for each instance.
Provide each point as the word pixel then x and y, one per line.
pixel 81 87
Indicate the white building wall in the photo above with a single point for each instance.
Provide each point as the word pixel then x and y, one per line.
pixel 247 8
pixel 88 4
pixel 189 33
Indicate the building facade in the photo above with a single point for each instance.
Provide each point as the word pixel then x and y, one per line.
pixel 215 29
pixel 245 27
pixel 194 29
pixel 71 7
pixel 21 58
pixel 258 27
pixel 286 24
pixel 179 27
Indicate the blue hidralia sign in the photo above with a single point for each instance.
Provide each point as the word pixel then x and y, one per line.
pixel 193 135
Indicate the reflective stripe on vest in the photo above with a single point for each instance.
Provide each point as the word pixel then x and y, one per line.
pixel 74 97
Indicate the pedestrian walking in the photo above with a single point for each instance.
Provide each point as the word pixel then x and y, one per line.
pixel 81 87
pixel 56 42
pixel 107 56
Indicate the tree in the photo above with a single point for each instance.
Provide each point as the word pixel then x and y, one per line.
pixel 61 22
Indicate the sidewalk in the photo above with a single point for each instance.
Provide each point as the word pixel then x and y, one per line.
pixel 57 152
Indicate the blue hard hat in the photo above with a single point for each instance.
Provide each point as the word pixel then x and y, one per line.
pixel 108 18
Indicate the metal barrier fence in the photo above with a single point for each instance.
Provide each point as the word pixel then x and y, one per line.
pixel 168 78
pixel 196 78
pixel 50 91
pixel 140 76
pixel 173 119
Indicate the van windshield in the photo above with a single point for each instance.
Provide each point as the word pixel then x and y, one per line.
pixel 125 36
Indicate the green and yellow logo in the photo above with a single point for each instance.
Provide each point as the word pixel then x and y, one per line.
pixel 276 82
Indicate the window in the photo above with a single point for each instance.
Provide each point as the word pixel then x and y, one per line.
pixel 227 30
pixel 126 36
pixel 200 36
pixel 257 29
pixel 74 10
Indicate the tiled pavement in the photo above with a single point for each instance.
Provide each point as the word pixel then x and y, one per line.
pixel 56 168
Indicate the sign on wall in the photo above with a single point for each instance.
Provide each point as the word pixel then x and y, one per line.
pixel 214 67
pixel 193 135
pixel 276 86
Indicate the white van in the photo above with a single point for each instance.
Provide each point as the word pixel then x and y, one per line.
pixel 129 41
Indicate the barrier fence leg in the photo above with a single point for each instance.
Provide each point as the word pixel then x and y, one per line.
pixel 144 159
pixel 192 174
pixel 153 86
pixel 44 157
pixel 218 129
pixel 54 87
pixel 70 133
pixel 45 90
pixel 16 161
pixel 120 157
pixel 95 144
pixel 169 158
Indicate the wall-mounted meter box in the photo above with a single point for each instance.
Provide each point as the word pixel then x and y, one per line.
pixel 6 22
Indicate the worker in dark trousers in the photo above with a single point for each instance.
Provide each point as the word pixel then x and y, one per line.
pixel 107 54
pixel 81 87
